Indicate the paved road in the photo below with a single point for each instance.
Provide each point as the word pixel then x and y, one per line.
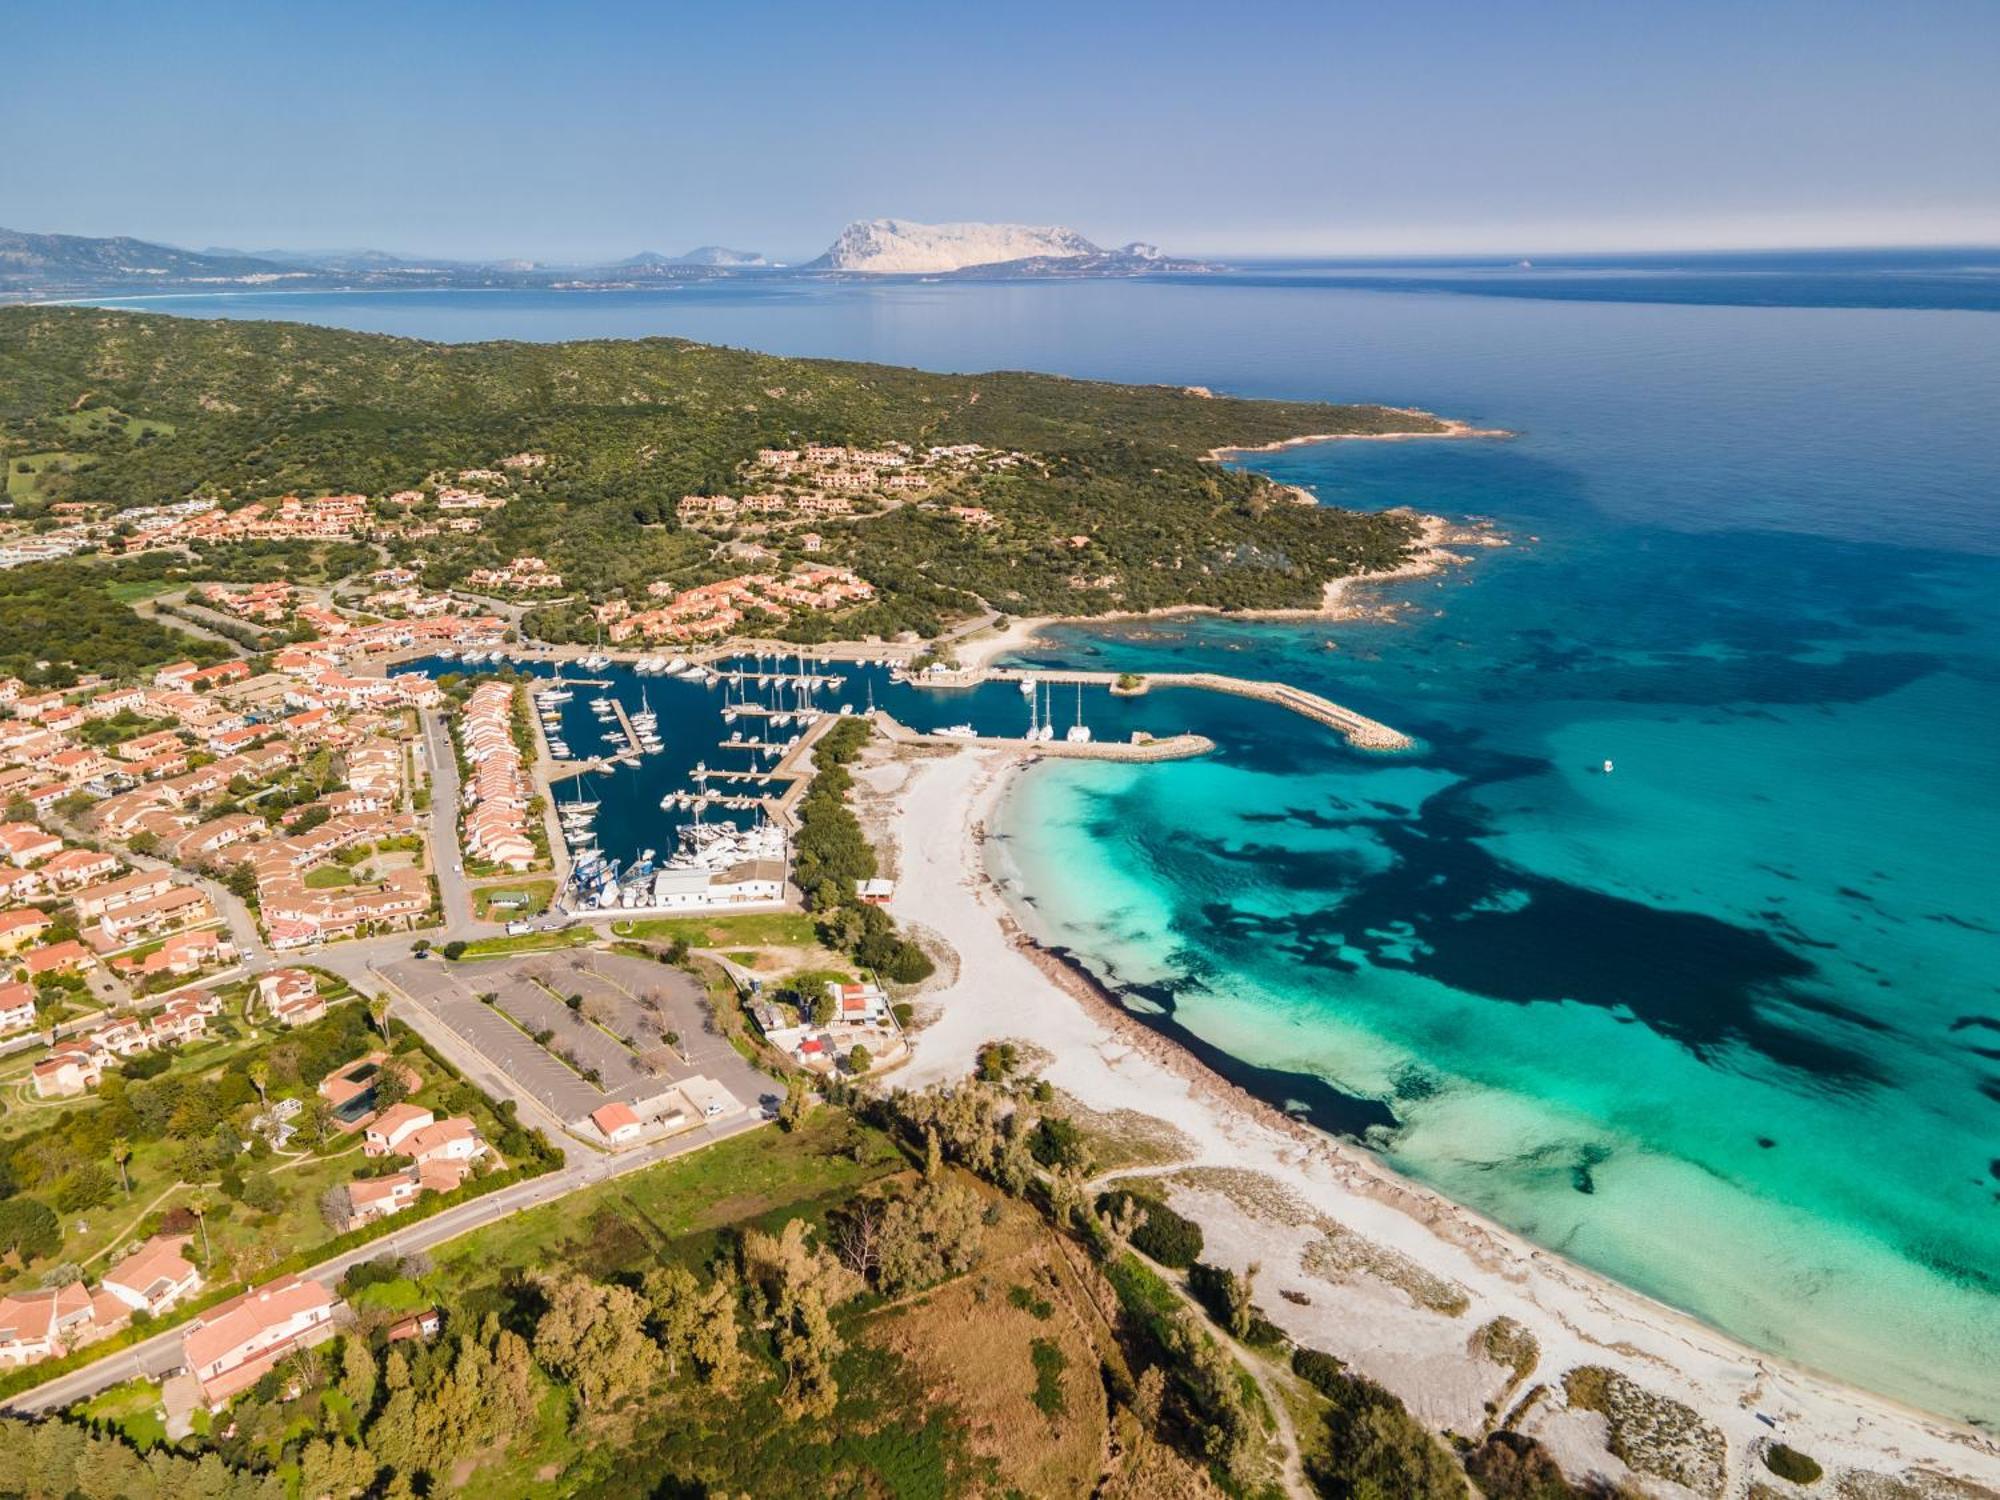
pixel 446 857
pixel 161 1355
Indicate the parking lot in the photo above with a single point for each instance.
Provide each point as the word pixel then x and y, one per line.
pixel 618 1031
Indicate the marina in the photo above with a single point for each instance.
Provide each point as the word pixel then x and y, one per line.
pixel 706 760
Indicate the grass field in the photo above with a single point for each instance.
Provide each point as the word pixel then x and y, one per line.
pixel 28 486
pixel 529 942
pixel 680 1204
pixel 749 929
pixel 131 591
pixel 328 877
pixel 535 896
pixel 133 1408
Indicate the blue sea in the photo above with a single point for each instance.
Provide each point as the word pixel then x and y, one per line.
pixel 1725 1023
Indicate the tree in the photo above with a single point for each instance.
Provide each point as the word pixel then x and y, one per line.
pixel 260 1079
pixel 392 1085
pixel 802 1282
pixel 319 1118
pixel 859 1059
pixel 199 1203
pixel 593 1336
pixel 792 1112
pixel 357 1375
pixel 933 1233
pixel 378 1005
pixel 334 1468
pixel 261 1193
pixel 857 1235
pixel 29 1229
pixel 696 1322
pixel 121 1153
pixel 336 1208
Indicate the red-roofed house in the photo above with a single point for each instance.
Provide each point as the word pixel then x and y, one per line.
pixel 616 1123
pixel 291 996
pixel 155 1276
pixel 231 1346
pixel 20 928
pixel 68 1069
pixel 44 1324
pixel 17 1008
pixel 74 867
pixel 69 957
pixel 24 843
pixel 389 1130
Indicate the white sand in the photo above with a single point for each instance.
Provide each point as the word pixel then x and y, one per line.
pixel 999 987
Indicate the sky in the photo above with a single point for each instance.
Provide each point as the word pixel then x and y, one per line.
pixel 591 131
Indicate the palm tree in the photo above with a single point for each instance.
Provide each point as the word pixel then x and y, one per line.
pixel 378 1012
pixel 260 1075
pixel 199 1203
pixel 121 1152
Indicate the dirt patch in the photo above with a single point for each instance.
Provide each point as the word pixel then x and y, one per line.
pixel 989 1342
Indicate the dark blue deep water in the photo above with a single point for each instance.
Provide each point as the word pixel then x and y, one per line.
pixel 1725 1023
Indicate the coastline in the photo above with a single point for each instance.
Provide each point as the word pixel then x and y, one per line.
pixel 1448 428
pixel 1436 536
pixel 1006 984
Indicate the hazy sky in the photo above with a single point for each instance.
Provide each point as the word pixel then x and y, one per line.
pixel 592 131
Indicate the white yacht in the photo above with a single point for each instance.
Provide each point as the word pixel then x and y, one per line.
pixel 958 732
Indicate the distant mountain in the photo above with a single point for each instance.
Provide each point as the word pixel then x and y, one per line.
pixel 722 255
pixel 43 262
pixel 704 255
pixel 39 266
pixel 902 247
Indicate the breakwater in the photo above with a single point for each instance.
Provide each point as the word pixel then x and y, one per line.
pixel 1357 729
pixel 1166 747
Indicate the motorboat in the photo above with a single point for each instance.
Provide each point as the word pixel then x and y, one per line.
pixel 960 732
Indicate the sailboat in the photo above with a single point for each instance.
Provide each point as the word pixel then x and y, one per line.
pixel 1079 732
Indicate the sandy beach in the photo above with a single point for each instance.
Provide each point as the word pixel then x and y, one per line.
pixel 1451 428
pixel 1395 1279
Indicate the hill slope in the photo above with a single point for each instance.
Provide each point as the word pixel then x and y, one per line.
pixel 1107 502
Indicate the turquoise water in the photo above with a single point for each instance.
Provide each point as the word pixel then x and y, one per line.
pixel 1725 1024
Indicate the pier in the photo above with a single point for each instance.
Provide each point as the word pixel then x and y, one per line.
pixel 1167 747
pixel 813 681
pixel 749 778
pixel 1358 729
pixel 633 747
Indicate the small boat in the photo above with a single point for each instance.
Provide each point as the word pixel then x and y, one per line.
pixel 958 732
pixel 1607 768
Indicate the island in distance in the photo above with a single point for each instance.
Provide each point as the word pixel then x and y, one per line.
pixel 37 267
